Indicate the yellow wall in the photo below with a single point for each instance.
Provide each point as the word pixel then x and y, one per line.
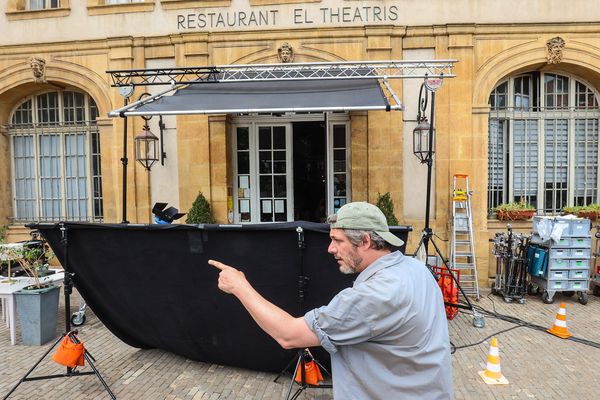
pixel 485 52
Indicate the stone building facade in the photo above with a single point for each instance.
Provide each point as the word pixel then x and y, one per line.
pixel 520 117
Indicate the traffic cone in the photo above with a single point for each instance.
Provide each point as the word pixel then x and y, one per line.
pixel 560 323
pixel 492 374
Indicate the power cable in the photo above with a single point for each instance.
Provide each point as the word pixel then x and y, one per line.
pixel 518 324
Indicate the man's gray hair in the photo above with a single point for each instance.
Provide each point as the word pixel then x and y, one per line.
pixel 356 237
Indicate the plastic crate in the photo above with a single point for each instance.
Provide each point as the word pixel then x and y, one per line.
pixel 558 284
pixel 579 274
pixel 580 253
pixel 559 253
pixel 559 263
pixel 558 274
pixel 581 242
pixel 579 285
pixel 579 264
pixel 580 227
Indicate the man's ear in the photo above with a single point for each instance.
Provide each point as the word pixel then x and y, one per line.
pixel 366 242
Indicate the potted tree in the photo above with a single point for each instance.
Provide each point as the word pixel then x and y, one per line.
pixel 515 211
pixel 200 212
pixel 37 304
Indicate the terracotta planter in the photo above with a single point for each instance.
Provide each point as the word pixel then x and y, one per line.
pixel 514 215
pixel 592 215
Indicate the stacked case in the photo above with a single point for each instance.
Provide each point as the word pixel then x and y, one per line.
pixel 566 262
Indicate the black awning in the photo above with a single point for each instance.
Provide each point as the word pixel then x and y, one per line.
pixel 265 97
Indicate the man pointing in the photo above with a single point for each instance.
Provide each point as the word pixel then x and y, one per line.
pixel 387 335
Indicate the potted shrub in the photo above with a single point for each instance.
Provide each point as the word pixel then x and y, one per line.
pixel 200 212
pixel 515 211
pixel 591 211
pixel 386 205
pixel 37 304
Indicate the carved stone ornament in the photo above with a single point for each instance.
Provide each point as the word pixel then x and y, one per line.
pixel 38 67
pixel 555 50
pixel 285 53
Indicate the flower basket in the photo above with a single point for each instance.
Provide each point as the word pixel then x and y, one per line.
pixel 514 215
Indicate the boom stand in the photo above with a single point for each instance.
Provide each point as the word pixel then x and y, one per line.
pixel 303 355
pixel 426 157
pixel 71 372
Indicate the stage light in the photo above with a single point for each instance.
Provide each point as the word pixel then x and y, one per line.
pixel 164 215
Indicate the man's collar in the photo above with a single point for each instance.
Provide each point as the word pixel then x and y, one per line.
pixel 379 264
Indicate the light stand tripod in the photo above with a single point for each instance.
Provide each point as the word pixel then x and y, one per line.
pixel 424 149
pixel 303 356
pixel 71 372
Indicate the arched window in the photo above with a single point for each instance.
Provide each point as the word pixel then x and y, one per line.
pixel 55 151
pixel 543 142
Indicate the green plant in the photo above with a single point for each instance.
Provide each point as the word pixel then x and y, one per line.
pixel 32 260
pixel 515 206
pixel 3 230
pixel 386 205
pixel 576 209
pixel 200 212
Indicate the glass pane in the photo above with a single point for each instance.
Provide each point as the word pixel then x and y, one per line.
pixel 243 160
pixel 266 210
pixel 279 185
pixel 339 185
pixel 264 137
pixel 279 137
pixel 243 142
pixel 339 160
pixel 279 163
pixel 339 136
pixel 266 186
pixel 265 164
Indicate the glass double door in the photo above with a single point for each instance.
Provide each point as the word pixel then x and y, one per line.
pixel 285 172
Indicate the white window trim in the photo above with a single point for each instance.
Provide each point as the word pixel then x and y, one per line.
pixel 255 121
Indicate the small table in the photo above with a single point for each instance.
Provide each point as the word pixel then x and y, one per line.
pixel 7 291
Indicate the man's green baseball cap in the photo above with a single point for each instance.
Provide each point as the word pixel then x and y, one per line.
pixel 364 216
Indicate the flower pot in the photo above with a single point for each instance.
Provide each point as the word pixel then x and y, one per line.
pixel 514 215
pixel 591 215
pixel 37 309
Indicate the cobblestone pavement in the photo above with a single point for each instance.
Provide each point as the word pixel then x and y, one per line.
pixel 538 365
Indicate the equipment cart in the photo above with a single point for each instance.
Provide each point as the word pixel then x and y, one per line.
pixel 596 277
pixel 567 264
pixel 511 265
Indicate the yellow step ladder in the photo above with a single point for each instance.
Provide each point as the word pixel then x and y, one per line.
pixel 462 253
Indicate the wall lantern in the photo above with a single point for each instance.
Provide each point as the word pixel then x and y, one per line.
pixel 146 146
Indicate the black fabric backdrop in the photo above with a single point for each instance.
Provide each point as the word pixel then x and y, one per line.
pixel 151 285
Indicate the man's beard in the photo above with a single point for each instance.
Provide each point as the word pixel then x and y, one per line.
pixel 352 266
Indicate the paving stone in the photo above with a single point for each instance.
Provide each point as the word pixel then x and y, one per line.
pixel 537 365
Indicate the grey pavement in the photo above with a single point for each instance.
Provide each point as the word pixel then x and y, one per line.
pixel 537 365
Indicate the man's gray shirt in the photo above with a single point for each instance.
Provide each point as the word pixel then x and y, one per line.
pixel 388 334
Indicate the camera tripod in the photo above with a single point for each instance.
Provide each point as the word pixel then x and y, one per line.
pixel 303 356
pixel 70 372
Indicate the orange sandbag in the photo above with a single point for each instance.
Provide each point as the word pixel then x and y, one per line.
pixel 69 353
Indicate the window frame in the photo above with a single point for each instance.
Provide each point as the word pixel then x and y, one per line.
pixel 253 122
pixel 62 130
pixel 538 111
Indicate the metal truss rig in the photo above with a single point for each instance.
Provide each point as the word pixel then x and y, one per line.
pixel 296 71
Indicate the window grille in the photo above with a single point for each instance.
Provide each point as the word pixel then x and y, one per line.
pixel 543 142
pixel 56 158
